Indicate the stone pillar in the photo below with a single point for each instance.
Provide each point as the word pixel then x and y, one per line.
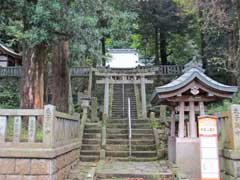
pixel 143 95
pixel 193 128
pixel 106 96
pixel 201 108
pixel 94 109
pixel 173 121
pixel 181 120
pixel 163 113
pixel 90 82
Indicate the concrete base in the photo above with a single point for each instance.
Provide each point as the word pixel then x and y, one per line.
pixel 188 157
pixel 229 164
pixel 172 149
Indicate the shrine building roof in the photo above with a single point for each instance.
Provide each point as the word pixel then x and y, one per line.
pixel 7 51
pixel 192 80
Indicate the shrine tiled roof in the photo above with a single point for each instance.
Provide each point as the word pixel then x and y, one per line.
pixel 189 76
pixel 9 51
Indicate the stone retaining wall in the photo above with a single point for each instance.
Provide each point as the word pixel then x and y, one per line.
pixel 229 164
pixel 56 168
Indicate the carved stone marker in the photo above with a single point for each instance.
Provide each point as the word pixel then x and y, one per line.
pixel 31 129
pixel 3 127
pixel 94 107
pixel 235 134
pixel 48 125
pixel 17 128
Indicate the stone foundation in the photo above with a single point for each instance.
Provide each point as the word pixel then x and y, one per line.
pixel 56 168
pixel 230 164
pixel 188 157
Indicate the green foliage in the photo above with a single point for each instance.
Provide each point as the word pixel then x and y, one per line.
pixel 9 96
pixel 223 106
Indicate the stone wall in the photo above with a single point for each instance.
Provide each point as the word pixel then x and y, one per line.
pixel 229 144
pixel 56 168
pixel 229 164
pixel 27 158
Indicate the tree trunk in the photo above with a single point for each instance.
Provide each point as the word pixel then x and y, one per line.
pixel 103 51
pixel 232 58
pixel 45 80
pixel 202 40
pixel 163 48
pixel 32 84
pixel 232 47
pixel 60 76
pixel 156 47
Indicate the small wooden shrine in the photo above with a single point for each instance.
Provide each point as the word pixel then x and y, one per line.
pixel 188 94
pixel 8 57
pixel 187 97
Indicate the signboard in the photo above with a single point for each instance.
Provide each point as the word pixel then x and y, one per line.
pixel 209 147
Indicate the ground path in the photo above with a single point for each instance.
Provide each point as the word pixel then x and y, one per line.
pixel 107 170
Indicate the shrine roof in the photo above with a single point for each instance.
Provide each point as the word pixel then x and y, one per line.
pixel 189 76
pixel 193 72
pixel 9 51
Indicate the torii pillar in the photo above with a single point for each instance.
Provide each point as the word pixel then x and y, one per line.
pixel 106 96
pixel 143 95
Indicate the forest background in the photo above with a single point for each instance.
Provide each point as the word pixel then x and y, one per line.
pixel 56 35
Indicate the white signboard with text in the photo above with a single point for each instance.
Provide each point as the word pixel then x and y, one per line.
pixel 209 148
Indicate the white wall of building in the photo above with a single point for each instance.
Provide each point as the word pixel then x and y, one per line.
pixel 123 58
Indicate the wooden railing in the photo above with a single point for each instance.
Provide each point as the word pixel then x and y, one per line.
pixel 37 128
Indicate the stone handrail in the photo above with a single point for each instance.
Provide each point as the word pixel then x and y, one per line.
pixel 164 70
pixel 37 128
pixel 224 134
pixel 10 71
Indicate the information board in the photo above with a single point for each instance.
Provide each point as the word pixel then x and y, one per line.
pixel 209 147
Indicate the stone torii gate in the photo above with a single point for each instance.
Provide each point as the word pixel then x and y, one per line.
pixel 124 76
pixel 187 96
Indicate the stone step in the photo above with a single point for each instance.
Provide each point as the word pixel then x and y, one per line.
pixel 95 126
pixel 89 152
pixel 134 136
pixel 135 159
pixel 125 131
pixel 125 125
pixel 86 158
pixel 121 120
pixel 117 153
pixel 92 135
pixel 91 141
pixel 134 154
pixel 144 154
pixel 92 130
pixel 123 147
pixel 133 142
pixel 90 147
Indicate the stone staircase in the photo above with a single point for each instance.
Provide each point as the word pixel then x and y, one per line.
pixel 90 150
pixel 143 145
pixel 120 101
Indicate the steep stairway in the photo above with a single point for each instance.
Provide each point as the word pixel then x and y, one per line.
pixel 121 93
pixel 90 150
pixel 142 143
